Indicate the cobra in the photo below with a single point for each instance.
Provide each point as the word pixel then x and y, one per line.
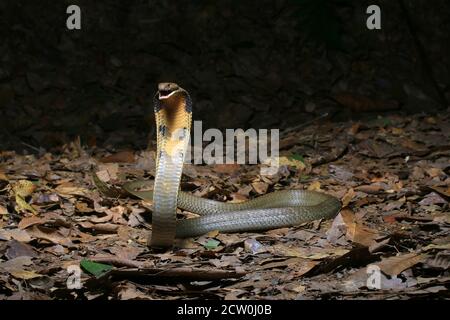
pixel 173 113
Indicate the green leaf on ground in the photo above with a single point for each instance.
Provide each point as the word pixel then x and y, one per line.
pixel 95 268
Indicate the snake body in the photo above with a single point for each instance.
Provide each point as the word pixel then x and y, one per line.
pixel 173 113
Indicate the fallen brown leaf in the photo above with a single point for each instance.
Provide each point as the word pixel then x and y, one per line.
pixel 227 168
pixel 50 235
pixel 348 197
pixel 25 275
pixel 121 156
pixel 260 187
pixel 395 265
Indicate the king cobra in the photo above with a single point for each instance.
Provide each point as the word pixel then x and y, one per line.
pixel 173 113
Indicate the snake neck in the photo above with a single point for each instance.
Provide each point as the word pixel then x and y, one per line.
pixel 173 119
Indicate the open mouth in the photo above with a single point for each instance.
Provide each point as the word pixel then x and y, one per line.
pixel 163 94
pixel 166 89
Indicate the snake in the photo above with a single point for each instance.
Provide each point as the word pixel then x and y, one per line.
pixel 278 209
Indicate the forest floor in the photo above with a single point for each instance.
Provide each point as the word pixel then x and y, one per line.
pixel 60 238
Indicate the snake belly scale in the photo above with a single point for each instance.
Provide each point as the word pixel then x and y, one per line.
pixel 173 113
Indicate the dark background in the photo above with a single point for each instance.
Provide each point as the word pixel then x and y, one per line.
pixel 261 64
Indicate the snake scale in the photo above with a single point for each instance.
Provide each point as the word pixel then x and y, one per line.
pixel 173 113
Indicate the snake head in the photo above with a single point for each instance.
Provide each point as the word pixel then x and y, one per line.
pixel 168 89
pixel 171 97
